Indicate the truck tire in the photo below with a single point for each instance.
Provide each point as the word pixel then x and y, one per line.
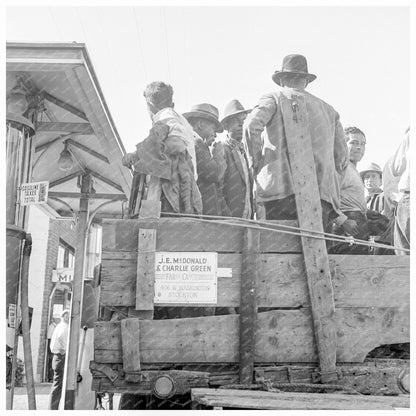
pixel 132 402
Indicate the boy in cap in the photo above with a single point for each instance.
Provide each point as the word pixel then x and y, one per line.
pixel 371 176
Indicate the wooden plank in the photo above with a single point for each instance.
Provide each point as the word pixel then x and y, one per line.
pixel 145 284
pixel 359 281
pixel 149 209
pixel 282 336
pixel 188 234
pixel 78 128
pixel 248 304
pixel 130 333
pixel 247 399
pixel 309 212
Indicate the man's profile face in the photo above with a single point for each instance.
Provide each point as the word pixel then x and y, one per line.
pixel 372 181
pixel 208 131
pixel 235 126
pixel 356 146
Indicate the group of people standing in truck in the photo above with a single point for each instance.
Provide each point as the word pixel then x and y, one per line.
pixel 247 173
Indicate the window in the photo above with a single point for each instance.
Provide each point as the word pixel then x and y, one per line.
pixel 66 255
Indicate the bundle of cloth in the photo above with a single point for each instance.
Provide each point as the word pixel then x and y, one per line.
pixel 165 157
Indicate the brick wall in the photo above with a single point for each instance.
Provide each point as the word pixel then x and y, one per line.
pixel 57 229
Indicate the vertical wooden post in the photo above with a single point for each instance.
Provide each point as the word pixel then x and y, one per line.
pixel 248 303
pixel 145 283
pixel 130 336
pixel 309 211
pixel 77 289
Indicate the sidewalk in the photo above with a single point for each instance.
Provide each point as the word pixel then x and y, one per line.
pixel 20 400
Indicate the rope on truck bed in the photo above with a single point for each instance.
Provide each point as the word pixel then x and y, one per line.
pixel 280 228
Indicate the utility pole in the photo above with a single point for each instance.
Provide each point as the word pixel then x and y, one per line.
pixel 77 292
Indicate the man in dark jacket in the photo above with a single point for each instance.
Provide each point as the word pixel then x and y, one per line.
pixel 237 183
pixel 210 167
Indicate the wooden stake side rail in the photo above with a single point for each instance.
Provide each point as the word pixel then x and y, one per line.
pixel 358 281
pixel 189 234
pixel 282 336
pixel 309 212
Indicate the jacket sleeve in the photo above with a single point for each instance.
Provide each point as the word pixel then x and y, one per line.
pixel 210 169
pixel 340 147
pixel 398 165
pixel 254 125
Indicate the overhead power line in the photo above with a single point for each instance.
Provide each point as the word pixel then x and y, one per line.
pixel 140 44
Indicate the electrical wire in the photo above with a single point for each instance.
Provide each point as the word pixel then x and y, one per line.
pixel 166 42
pixel 136 21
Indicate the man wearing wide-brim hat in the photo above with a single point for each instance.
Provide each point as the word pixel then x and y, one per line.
pixel 268 154
pixel 371 175
pixel 237 184
pixel 210 166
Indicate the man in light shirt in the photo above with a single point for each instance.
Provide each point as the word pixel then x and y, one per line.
pixel 58 348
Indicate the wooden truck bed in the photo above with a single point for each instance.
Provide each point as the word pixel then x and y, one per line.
pixel 371 295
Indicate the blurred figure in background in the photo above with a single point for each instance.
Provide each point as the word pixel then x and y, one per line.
pixel 237 184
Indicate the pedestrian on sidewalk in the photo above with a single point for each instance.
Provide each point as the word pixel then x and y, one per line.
pixel 58 349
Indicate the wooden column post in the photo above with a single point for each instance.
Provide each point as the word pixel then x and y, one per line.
pixel 77 289
pixel 309 212
pixel 248 303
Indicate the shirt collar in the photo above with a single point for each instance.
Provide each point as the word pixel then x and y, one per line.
pixel 235 144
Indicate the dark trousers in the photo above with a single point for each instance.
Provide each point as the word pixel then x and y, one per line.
pixel 58 366
pixel 364 233
pixel 285 209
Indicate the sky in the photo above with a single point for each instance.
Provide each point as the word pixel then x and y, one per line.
pixel 214 54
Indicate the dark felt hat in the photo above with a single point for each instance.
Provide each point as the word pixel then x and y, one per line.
pixel 207 111
pixel 293 64
pixel 233 108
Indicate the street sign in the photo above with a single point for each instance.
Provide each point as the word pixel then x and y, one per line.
pixel 63 274
pixel 34 193
pixel 186 277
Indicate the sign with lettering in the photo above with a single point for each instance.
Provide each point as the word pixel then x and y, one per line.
pixel 12 316
pixel 185 277
pixel 63 274
pixel 34 193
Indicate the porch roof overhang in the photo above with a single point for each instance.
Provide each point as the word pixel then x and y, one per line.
pixel 71 109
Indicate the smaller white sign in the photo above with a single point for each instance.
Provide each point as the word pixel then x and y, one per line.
pixel 64 274
pixel 12 315
pixel 34 193
pixel 185 277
